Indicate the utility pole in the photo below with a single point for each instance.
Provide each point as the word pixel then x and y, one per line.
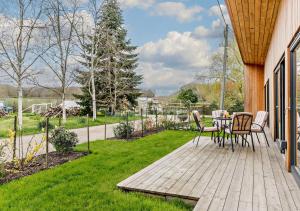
pixel 223 85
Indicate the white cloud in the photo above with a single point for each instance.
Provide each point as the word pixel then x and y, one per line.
pixel 177 49
pixel 164 80
pixel 177 10
pixel 215 11
pixel 215 31
pixel 173 61
pixel 144 4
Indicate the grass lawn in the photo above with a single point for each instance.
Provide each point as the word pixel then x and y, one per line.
pixel 30 123
pixel 90 182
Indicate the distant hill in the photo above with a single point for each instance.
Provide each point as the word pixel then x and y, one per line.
pixel 7 91
pixel 205 92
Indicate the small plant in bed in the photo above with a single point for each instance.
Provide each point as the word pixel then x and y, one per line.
pixel 42 125
pixel 124 130
pixel 63 140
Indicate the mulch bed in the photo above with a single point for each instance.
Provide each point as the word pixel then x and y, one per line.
pixel 138 134
pixel 38 164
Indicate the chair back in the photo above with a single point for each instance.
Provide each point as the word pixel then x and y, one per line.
pixel 261 118
pixel 197 118
pixel 241 123
pixel 217 113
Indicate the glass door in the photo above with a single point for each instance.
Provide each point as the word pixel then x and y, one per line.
pixel 280 101
pixel 267 100
pixel 295 102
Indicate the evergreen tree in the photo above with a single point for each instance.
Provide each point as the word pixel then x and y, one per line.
pixel 114 60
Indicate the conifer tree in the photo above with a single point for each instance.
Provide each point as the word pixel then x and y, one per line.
pixel 116 81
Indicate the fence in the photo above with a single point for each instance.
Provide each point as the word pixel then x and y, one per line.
pixel 133 124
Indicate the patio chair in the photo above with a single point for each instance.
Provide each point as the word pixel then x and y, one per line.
pixel 240 126
pixel 217 123
pixel 258 126
pixel 216 114
pixel 201 128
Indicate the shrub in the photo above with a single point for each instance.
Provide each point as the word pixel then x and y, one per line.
pixel 168 124
pixel 123 130
pixel 42 125
pixel 149 124
pixel 81 120
pixel 63 140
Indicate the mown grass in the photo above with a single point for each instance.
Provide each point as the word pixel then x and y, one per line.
pixel 90 182
pixel 30 123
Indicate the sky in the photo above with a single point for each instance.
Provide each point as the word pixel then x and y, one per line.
pixel 175 39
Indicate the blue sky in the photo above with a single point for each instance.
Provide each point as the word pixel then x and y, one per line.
pixel 176 39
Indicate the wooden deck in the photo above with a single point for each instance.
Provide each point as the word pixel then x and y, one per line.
pixel 218 179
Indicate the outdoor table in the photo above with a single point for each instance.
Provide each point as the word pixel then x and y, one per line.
pixel 225 121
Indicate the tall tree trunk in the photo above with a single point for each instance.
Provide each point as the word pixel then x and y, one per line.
pixel 20 105
pixel 94 95
pixel 115 90
pixel 64 115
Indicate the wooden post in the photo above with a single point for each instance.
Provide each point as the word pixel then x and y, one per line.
pixel 15 138
pixel 156 124
pixel 189 118
pixel 47 140
pixel 127 126
pixel 142 122
pixel 88 133
pixel 105 131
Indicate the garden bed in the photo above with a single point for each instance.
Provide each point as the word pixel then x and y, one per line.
pixel 38 164
pixel 139 134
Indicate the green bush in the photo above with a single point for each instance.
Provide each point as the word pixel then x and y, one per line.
pixel 123 130
pixel 42 125
pixel 63 140
pixel 81 120
pixel 168 124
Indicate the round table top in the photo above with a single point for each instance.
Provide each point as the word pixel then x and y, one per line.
pixel 223 118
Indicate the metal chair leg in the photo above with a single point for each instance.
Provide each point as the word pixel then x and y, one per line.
pixel 242 140
pixel 232 147
pixel 195 138
pixel 252 142
pixel 224 139
pixel 266 137
pixel 198 139
pixel 257 138
pixel 213 135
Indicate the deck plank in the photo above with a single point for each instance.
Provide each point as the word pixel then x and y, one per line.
pixel 221 176
pixel 233 195
pixel 259 192
pixel 219 179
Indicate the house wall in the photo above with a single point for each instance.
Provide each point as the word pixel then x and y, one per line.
pixel 254 88
pixel 286 27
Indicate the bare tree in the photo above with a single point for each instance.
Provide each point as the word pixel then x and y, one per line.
pixel 61 17
pixel 21 42
pixel 86 35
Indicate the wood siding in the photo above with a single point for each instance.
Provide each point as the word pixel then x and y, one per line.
pixel 264 30
pixel 254 88
pixel 253 23
pixel 286 27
